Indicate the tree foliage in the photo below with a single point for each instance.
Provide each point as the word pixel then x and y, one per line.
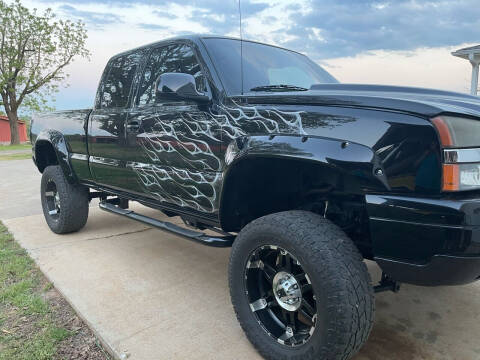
pixel 34 51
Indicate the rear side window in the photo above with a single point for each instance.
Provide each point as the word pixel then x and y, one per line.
pixel 115 88
pixel 173 58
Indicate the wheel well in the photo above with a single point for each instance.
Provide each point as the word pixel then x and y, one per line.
pixel 260 186
pixel 45 155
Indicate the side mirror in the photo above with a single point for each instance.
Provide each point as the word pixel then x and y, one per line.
pixel 178 86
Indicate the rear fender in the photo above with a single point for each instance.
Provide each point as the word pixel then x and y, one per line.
pixel 60 146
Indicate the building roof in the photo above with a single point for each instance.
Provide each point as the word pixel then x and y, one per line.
pixel 465 53
pixel 4 118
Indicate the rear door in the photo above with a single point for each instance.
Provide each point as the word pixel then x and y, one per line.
pixel 106 140
pixel 178 143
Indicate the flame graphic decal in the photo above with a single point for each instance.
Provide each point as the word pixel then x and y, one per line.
pixel 189 141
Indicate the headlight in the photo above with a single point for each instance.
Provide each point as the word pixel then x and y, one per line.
pixel 469 175
pixel 460 139
pixel 461 177
pixel 457 132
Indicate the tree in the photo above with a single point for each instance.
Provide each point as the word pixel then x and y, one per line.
pixel 34 51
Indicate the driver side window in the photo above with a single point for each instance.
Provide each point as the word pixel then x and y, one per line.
pixel 173 58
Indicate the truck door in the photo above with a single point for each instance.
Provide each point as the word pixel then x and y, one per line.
pixel 178 143
pixel 106 133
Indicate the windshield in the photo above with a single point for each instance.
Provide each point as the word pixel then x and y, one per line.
pixel 263 66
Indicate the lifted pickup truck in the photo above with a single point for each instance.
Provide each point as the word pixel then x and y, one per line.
pixel 303 176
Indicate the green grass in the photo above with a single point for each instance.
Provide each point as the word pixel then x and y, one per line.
pixel 27 327
pixel 15 156
pixel 15 147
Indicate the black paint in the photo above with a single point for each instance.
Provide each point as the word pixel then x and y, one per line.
pixel 195 146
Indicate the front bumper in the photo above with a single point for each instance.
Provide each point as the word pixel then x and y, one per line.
pixel 424 241
pixel 440 270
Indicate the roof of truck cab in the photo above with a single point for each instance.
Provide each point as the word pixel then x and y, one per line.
pixel 196 38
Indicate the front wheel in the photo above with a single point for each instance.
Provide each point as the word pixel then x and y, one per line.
pixel 300 288
pixel 65 205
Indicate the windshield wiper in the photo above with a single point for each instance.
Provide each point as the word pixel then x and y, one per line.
pixel 278 88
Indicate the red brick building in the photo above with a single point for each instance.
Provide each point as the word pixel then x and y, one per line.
pixel 5 130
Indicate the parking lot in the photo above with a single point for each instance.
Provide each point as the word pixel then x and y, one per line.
pixel 151 295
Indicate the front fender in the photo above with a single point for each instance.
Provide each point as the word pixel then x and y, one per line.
pixel 357 164
pixel 350 158
pixel 56 140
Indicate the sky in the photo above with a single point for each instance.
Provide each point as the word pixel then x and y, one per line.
pixel 398 42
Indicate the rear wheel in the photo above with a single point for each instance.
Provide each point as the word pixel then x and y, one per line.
pixel 65 205
pixel 300 288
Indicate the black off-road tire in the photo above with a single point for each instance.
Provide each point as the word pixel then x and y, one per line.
pixel 339 278
pixel 72 198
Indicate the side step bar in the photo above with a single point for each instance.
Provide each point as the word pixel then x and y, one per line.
pixel 217 241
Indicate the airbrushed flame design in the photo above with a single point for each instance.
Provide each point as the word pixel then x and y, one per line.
pixel 185 157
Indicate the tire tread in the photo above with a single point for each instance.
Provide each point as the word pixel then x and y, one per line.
pixel 351 297
pixel 73 199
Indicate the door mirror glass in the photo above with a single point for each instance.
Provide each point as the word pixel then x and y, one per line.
pixel 178 86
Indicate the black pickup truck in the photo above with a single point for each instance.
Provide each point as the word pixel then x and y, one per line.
pixel 304 177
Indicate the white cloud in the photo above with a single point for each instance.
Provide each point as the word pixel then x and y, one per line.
pixel 425 67
pixel 277 22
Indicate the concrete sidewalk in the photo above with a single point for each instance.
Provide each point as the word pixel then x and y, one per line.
pixel 14 152
pixel 156 296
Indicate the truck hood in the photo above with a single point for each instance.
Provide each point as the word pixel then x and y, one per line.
pixel 419 101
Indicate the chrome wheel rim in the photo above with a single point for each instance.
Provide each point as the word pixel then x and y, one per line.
pixel 287 291
pixel 280 295
pixel 53 199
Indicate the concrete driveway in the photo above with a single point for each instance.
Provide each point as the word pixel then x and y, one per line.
pixel 150 295
pixel 19 189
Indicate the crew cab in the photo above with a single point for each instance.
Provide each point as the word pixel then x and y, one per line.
pixel 303 176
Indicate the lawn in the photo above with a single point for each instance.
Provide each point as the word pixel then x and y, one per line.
pixel 36 323
pixel 20 156
pixel 15 152
pixel 15 147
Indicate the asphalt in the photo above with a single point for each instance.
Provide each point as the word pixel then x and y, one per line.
pixel 151 295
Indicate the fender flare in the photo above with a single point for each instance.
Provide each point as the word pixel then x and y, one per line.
pixel 60 146
pixel 350 158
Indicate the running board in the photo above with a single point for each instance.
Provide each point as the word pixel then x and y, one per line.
pixel 200 237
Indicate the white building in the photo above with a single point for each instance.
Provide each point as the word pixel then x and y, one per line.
pixel 471 54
